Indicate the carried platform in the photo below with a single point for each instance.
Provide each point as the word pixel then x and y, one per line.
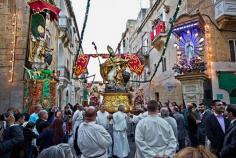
pixel 113 100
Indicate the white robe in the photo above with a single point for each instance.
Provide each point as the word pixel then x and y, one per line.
pixel 121 144
pixel 102 119
pixel 93 140
pixel 77 119
pixel 154 137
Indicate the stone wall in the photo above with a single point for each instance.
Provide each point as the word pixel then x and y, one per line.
pixel 11 93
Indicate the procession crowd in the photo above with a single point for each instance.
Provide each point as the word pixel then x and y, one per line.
pixel 159 131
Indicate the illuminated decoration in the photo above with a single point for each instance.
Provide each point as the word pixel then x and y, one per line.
pixel 41 5
pixel 159 28
pixel 190 40
pixel 12 60
pixel 190 45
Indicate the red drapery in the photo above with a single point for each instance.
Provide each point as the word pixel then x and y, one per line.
pixel 40 5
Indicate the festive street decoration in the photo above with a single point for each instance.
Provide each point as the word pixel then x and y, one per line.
pixel 81 64
pixel 43 5
pixel 40 88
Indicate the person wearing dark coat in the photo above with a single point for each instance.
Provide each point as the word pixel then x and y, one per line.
pixel 192 125
pixel 29 135
pixel 180 126
pixel 229 146
pixel 216 126
pixel 53 135
pixel 201 133
pixel 13 140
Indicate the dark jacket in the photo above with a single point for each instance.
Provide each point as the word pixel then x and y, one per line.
pixel 215 133
pixel 41 125
pixel 45 139
pixel 180 125
pixel 229 147
pixel 201 133
pixel 13 143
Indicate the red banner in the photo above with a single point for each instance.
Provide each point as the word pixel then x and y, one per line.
pixel 40 5
pixel 134 64
pixel 81 64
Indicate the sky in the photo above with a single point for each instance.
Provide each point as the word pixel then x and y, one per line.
pixel 105 25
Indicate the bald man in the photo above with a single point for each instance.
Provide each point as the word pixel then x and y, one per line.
pixel 93 139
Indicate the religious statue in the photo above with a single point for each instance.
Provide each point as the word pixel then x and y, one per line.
pixel 112 70
pixel 189 50
pixel 40 56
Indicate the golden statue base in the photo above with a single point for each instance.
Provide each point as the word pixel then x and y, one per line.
pixel 113 100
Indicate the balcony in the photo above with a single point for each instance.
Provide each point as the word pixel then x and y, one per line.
pixel 158 35
pixel 225 13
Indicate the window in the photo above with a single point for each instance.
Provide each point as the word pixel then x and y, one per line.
pixel 163 64
pixel 157 96
pixel 232 49
pixel 145 43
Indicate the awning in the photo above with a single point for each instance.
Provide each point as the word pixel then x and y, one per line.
pixel 40 5
pixel 227 81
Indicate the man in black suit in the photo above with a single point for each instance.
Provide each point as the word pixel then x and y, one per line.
pixel 216 126
pixel 229 146
pixel 201 133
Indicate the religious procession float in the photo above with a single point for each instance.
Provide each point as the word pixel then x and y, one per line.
pixel 115 72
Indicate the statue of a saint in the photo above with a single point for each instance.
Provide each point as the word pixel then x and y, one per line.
pixel 112 69
pixel 189 50
pixel 40 51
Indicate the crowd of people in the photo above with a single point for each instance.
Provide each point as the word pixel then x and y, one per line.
pixel 159 131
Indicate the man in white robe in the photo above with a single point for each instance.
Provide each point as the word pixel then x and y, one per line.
pixel 103 119
pixel 93 139
pixel 121 145
pixel 154 137
pixel 77 118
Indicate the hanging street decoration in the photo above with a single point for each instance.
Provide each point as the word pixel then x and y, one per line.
pixel 41 5
pixel 81 64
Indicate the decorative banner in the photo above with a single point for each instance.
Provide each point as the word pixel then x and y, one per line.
pixel 40 6
pixel 81 64
pixel 134 64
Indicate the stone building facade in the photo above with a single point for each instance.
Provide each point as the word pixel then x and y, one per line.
pixel 67 49
pixel 14 15
pixel 218 51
